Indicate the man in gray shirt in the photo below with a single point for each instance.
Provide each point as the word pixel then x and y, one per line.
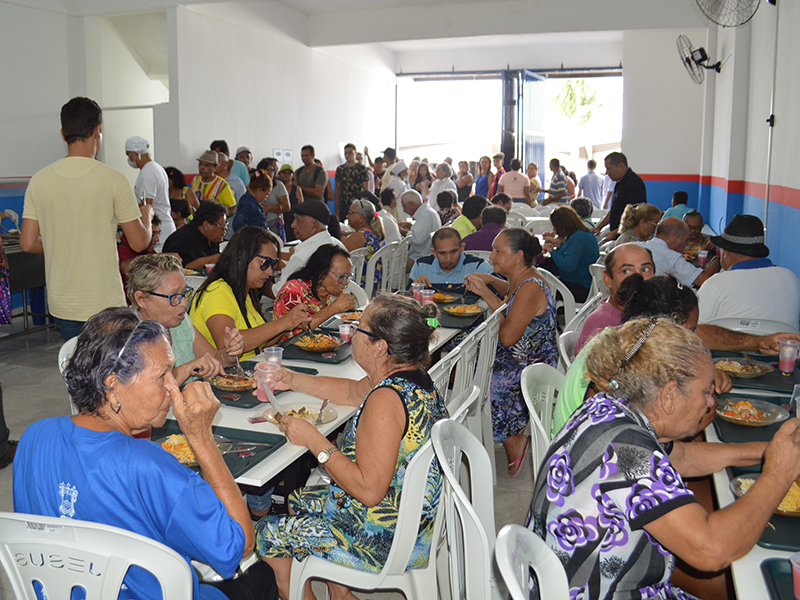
pixel 591 185
pixel 311 178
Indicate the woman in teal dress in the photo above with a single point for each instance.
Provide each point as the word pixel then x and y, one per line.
pixel 367 233
pixel 352 520
pixel 527 333
pixel 157 289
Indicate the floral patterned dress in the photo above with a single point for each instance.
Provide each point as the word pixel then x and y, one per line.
pixel 333 525
pixel 604 478
pixel 372 243
pixel 537 344
pixel 294 292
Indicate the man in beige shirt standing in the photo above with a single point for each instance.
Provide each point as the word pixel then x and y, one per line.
pixel 75 204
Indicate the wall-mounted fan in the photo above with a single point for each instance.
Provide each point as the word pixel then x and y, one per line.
pixel 729 13
pixel 695 60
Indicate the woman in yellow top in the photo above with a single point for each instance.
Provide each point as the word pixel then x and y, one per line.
pixel 231 295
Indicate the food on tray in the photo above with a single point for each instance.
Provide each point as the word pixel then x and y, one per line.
pixel 351 317
pixel 191 272
pixel 744 411
pixel 231 382
pixel 736 368
pixel 442 297
pixel 318 342
pixel 301 412
pixel 790 502
pixel 463 310
pixel 179 447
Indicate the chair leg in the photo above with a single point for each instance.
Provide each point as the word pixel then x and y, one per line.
pixel 488 434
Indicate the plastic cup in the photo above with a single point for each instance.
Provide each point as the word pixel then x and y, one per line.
pixel 795 560
pixel 345 332
pixel 427 296
pixel 273 355
pixel 210 268
pixel 416 290
pixel 702 258
pixel 787 356
pixel 265 375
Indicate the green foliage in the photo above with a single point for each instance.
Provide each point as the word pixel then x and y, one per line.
pixel 576 99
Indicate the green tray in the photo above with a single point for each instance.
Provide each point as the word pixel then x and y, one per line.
pixel 777 574
pixel 246 398
pixel 237 463
pixel 292 352
pixel 773 382
pixel 731 432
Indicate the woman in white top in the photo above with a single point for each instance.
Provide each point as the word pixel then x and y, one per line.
pixel 515 184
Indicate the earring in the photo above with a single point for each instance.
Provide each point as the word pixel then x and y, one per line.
pixel 116 408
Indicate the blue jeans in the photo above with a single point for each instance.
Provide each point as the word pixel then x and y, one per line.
pixel 68 329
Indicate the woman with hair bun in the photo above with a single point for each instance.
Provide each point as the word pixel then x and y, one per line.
pixel 611 500
pixel 367 233
pixel 527 333
pixel 638 223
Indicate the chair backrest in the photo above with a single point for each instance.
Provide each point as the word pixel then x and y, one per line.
pixel 399 260
pixel 524 209
pixel 607 246
pixel 517 551
pixel 515 220
pixel 599 213
pixel 469 516
pixel 360 295
pixel 539 225
pixel 540 385
pixel 97 557
pixel 588 308
pixel 440 372
pixel 64 354
pixel 388 265
pixel 464 404
pixel 754 326
pixel 598 283
pixel 544 211
pixel 558 288
pixel 195 281
pixel 467 364
pixel 484 254
pixel 483 377
pixel 567 343
pixel 357 258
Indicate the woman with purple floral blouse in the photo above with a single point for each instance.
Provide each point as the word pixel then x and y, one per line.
pixel 610 499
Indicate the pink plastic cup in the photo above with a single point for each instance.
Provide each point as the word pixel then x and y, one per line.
pixel 345 332
pixel 787 356
pixel 416 290
pixel 702 258
pixel 795 560
pixel 427 296
pixel 265 375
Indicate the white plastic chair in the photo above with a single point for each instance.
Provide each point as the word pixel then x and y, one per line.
pixel 524 209
pixel 64 354
pixel 388 274
pixel 607 246
pixel 483 379
pixel 195 281
pixel 484 254
pixel 361 296
pixel 598 283
pixel 545 210
pixel 399 260
pixel 567 344
pixel 469 517
pixel 599 213
pixel 357 258
pixel 540 385
pixel 588 308
pixel 464 405
pixel 416 584
pixel 567 299
pixel 517 551
pixel 93 556
pixel 467 360
pixel 754 326
pixel 441 371
pixel 515 220
pixel 538 225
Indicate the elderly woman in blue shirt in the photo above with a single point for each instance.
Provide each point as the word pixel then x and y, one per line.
pixel 572 249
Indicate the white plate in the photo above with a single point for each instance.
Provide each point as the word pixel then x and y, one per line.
pixel 328 415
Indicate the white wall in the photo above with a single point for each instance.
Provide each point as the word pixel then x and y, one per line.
pixel 662 124
pixel 35 84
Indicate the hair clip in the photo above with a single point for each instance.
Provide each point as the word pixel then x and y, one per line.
pixel 613 384
pixel 433 322
pixel 632 352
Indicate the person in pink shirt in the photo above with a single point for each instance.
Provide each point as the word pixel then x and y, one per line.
pixel 515 184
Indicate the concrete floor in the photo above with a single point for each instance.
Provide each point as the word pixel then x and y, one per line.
pixel 33 389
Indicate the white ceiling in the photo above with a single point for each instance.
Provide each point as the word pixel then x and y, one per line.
pixel 500 41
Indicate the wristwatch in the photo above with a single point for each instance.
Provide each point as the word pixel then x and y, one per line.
pixel 326 454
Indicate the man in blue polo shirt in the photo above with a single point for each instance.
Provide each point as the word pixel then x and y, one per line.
pixel 447 265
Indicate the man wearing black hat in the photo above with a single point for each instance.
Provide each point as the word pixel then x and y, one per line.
pixel 751 286
pixel 310 226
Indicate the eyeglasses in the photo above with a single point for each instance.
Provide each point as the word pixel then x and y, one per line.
pixel 342 278
pixel 175 299
pixel 223 226
pixel 269 262
pixel 372 335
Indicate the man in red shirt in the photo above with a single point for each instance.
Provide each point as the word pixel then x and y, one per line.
pixel 127 254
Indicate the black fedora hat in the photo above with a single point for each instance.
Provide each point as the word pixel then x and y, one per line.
pixel 743 235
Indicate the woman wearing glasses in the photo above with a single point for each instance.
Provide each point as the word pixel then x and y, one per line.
pixel 319 285
pixel 638 223
pixel 158 290
pixel 231 296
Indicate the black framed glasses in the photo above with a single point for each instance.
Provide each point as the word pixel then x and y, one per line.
pixel 223 226
pixel 269 262
pixel 372 335
pixel 342 278
pixel 175 299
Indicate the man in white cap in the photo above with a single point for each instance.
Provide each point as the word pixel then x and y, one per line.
pixel 399 183
pixel 209 186
pixel 244 156
pixel 151 185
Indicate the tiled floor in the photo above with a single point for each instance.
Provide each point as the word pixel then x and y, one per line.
pixel 33 389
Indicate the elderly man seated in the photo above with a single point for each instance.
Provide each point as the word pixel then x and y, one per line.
pixel 751 285
pixel 697 240
pixel 667 248
pixel 310 226
pixel 494 220
pixel 209 186
pixel 197 243
pixel 447 265
pixel 426 222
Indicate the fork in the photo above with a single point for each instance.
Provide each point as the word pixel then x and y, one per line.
pixel 239 369
pixel 321 408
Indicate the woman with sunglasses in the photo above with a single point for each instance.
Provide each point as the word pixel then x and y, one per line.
pixel 319 285
pixel 231 296
pixel 158 290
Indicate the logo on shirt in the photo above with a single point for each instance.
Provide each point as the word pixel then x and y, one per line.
pixel 69 494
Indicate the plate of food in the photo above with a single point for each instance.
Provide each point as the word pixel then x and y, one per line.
pixel 302 411
pixel 350 317
pixel 789 506
pixel 177 445
pixel 443 298
pixel 742 369
pixel 193 272
pixel 317 342
pixel 463 310
pixel 750 412
pixel 232 383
